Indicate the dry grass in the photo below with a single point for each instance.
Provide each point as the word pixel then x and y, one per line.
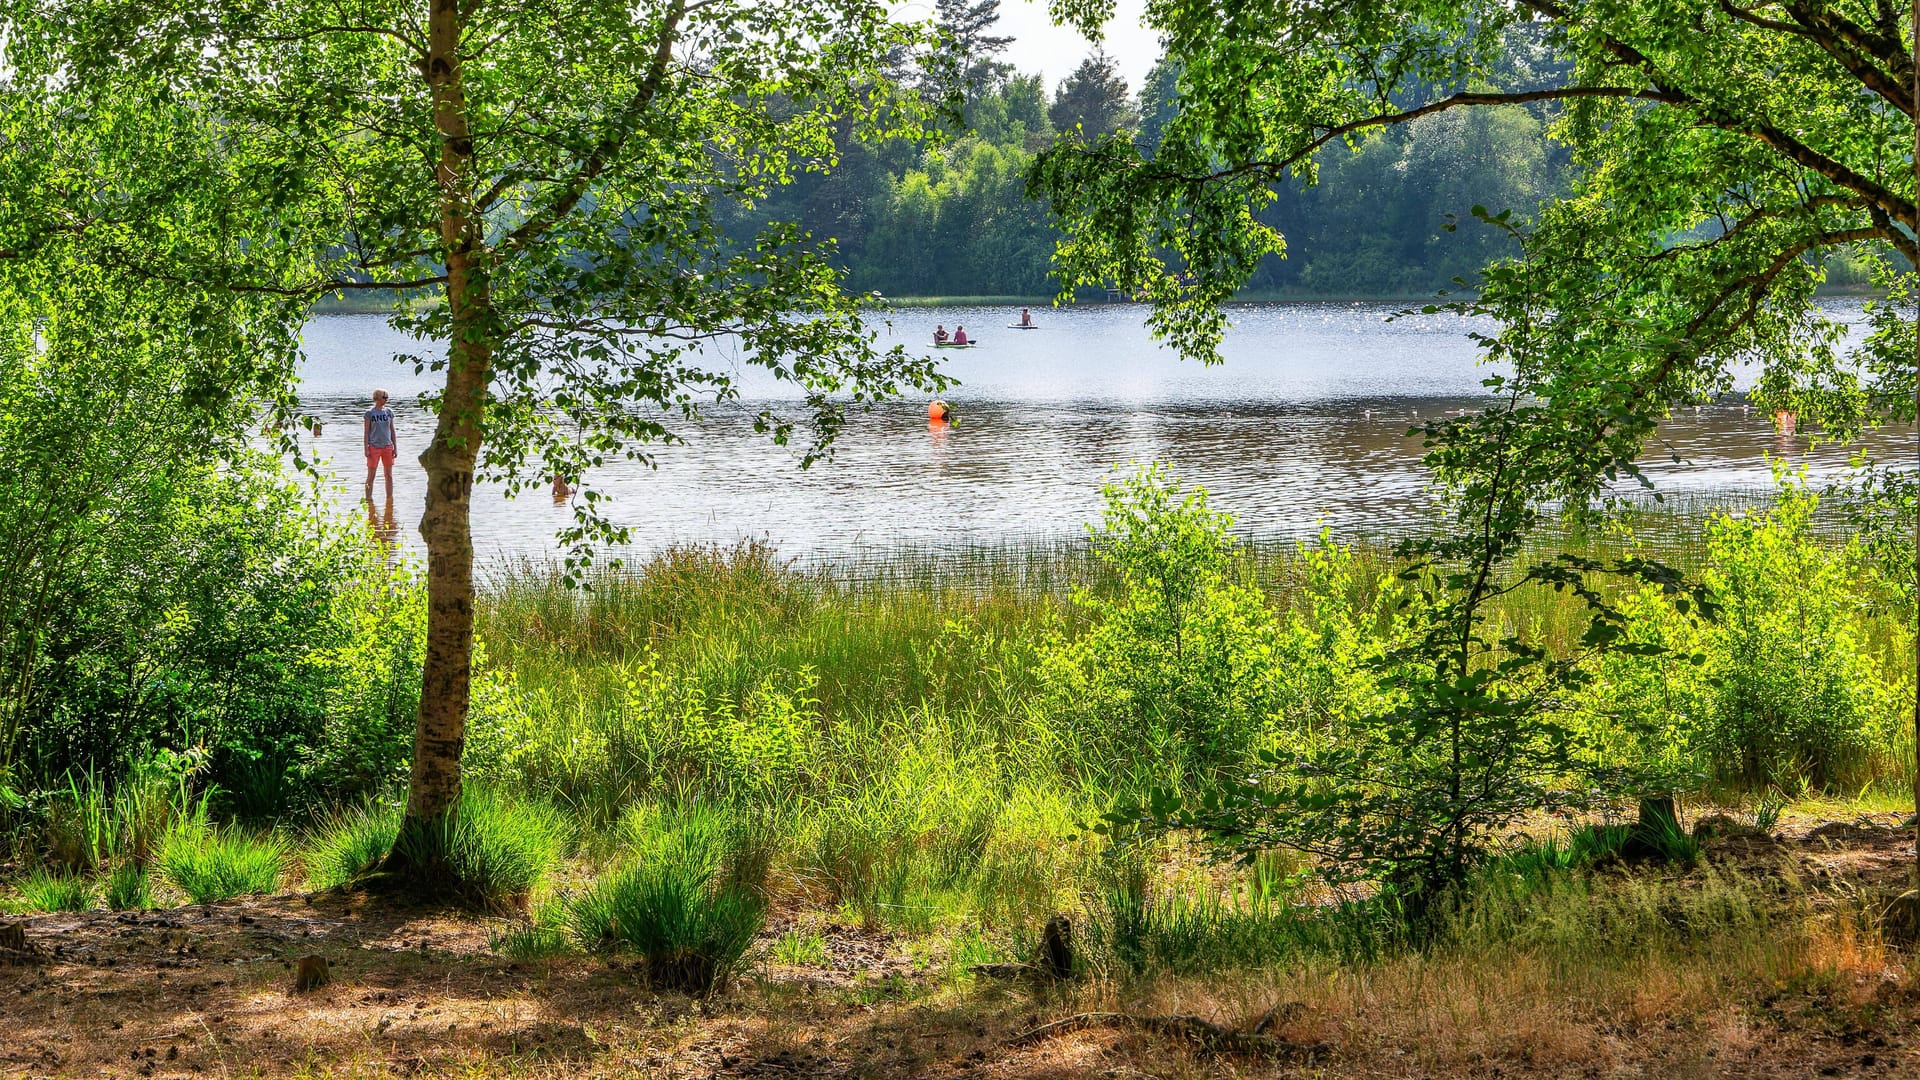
pixel 1581 982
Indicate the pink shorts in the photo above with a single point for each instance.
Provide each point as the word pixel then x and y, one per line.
pixel 378 454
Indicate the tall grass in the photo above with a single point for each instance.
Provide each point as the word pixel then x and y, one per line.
pixel 349 844
pixel 734 672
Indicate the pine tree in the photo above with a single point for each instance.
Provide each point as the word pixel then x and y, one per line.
pixel 1094 98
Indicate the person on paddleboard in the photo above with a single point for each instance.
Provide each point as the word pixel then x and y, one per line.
pixel 1026 317
pixel 959 335
pixel 940 334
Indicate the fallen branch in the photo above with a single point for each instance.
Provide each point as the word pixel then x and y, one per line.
pixel 1203 1033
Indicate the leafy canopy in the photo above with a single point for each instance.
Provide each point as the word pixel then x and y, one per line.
pixel 603 141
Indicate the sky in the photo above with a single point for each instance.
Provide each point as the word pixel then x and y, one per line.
pixel 1055 51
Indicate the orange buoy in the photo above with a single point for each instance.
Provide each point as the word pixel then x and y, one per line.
pixel 937 410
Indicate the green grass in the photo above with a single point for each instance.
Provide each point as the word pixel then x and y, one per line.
pixel 43 890
pixel 210 863
pixel 350 844
pixel 128 888
pixel 800 948
pixel 686 897
pixel 497 847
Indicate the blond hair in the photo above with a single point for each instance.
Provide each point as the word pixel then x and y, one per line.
pixel 379 394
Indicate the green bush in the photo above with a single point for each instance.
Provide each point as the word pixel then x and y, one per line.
pixel 366 675
pixel 1790 693
pixel 348 845
pixel 1779 688
pixel 210 864
pixel 54 891
pixel 686 899
pixel 495 849
pixel 1177 666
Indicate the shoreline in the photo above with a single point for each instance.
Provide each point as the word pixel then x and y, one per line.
pixel 360 304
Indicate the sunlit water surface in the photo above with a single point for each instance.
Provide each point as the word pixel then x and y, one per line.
pixel 1303 426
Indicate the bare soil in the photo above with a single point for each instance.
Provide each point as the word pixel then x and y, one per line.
pixel 209 991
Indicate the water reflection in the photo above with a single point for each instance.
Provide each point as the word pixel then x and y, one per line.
pixel 1306 424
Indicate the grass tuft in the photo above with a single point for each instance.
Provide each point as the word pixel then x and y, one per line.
pixel 495 849
pixel 44 890
pixel 128 888
pixel 349 845
pixel 211 864
pixel 688 900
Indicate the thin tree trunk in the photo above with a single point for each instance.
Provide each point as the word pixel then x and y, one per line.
pixel 439 734
pixel 1914 30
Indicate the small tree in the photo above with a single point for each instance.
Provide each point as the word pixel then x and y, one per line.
pixel 1476 730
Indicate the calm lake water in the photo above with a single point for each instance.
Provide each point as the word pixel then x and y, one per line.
pixel 1304 425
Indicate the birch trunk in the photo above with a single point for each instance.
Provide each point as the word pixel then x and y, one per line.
pixel 433 789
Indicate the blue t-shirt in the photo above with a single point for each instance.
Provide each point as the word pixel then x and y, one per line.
pixel 379 427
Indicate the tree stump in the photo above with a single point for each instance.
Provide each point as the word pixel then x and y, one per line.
pixel 1056 948
pixel 1900 921
pixel 13 942
pixel 1659 820
pixel 311 974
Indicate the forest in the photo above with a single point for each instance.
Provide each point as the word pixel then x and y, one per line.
pixel 1579 774
pixel 951 217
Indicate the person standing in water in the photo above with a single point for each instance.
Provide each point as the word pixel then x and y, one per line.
pixel 376 438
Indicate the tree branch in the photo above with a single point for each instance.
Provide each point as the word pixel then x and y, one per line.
pixel 605 153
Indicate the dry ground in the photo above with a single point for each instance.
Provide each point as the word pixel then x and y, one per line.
pixel 207 992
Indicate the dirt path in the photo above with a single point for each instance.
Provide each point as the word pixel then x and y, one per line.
pixel 208 991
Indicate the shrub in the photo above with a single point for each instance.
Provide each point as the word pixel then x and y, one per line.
pixel 348 845
pixel 128 888
pixel 369 680
pixel 1177 666
pixel 211 864
pixel 1778 689
pixel 45 891
pixel 1790 694
pixel 687 901
pixel 494 848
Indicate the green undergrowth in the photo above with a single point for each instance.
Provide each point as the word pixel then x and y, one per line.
pixel 209 863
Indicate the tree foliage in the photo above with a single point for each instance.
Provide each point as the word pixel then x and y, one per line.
pixel 552 172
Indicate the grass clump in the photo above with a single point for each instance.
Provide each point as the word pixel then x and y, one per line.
pixel 538 938
pixel 210 864
pixel 687 899
pixel 45 890
pixel 350 845
pixel 495 849
pixel 128 888
pixel 800 949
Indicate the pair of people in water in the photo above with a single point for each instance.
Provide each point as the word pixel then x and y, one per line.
pixel 941 337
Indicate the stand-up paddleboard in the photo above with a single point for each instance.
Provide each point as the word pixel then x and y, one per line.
pixel 1023 326
pixel 951 345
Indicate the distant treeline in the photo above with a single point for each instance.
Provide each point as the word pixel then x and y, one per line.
pixel 952 219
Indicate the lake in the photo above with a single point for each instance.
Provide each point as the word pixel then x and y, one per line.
pixel 1304 425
